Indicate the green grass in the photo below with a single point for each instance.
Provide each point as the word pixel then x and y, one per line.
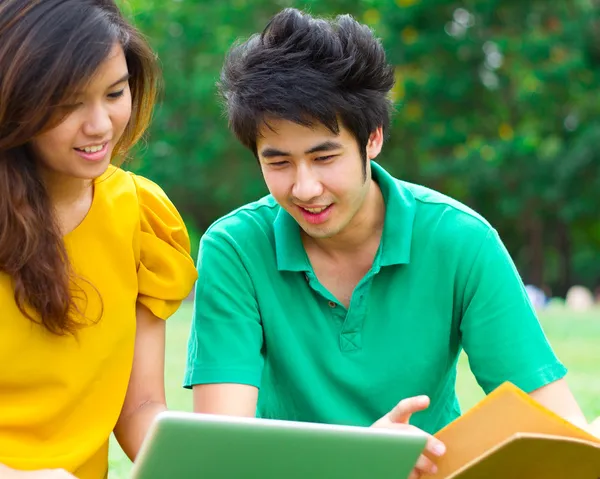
pixel 574 336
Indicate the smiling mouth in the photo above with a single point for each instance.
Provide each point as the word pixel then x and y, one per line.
pixel 315 211
pixel 92 149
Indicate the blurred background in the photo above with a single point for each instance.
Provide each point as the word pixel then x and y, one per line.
pixel 497 105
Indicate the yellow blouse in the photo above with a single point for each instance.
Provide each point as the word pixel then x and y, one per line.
pixel 60 397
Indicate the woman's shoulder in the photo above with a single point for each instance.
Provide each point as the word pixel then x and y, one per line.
pixel 115 198
pixel 123 199
pixel 117 185
pixel 127 194
pixel 166 270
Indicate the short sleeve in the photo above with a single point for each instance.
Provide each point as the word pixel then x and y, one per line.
pixel 501 334
pixel 226 337
pixel 166 271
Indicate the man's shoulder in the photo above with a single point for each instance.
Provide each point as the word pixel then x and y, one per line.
pixel 436 201
pixel 445 217
pixel 246 222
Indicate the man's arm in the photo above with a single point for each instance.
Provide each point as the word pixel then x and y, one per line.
pixel 499 328
pixel 224 361
pixel 226 399
pixel 557 397
pixel 503 337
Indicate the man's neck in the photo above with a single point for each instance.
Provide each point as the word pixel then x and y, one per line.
pixel 363 231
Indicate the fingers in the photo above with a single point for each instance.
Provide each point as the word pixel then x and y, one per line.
pixel 415 474
pixel 425 465
pixel 435 447
pixel 407 407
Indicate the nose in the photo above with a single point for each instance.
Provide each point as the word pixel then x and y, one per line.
pixel 307 184
pixel 98 122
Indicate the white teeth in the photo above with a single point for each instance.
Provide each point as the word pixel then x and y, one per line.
pixel 316 210
pixel 92 149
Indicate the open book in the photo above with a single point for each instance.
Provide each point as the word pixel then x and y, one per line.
pixel 510 435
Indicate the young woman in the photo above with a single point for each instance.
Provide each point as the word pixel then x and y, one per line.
pixel 92 259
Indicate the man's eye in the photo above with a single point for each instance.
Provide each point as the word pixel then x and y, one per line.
pixel 325 158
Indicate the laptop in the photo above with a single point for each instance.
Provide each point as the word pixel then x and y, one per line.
pixel 184 445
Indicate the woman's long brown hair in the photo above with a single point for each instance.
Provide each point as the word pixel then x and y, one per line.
pixel 48 50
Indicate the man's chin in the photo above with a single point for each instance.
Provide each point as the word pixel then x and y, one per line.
pixel 318 233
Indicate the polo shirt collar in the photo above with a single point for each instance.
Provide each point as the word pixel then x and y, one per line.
pixel 291 255
pixel 400 209
pixel 396 239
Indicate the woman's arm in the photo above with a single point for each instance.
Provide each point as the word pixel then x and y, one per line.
pixel 8 473
pixel 146 391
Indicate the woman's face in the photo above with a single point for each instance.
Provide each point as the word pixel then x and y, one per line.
pixel 81 146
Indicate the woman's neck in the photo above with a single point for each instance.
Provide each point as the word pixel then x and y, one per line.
pixel 71 198
pixel 64 190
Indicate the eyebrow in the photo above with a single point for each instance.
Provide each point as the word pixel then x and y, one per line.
pixel 325 146
pixel 124 78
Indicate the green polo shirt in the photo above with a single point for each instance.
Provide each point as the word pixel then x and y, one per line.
pixel 441 281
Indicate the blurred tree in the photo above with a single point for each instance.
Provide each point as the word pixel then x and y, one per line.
pixel 497 107
pixel 191 153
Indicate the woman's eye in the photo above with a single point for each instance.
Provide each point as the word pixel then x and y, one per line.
pixel 116 94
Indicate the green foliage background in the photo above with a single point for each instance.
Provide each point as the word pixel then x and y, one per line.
pixel 497 106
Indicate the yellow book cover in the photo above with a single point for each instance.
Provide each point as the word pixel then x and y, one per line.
pixel 510 435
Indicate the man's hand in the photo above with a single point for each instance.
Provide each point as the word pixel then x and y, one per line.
pixel 398 418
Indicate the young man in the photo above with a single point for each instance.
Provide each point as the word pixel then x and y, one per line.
pixel 345 290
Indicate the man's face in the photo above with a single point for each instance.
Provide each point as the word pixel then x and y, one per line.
pixel 316 175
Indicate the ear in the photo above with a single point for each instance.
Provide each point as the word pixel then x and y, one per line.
pixel 375 143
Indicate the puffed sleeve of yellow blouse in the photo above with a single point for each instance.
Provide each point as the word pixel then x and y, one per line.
pixel 166 272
